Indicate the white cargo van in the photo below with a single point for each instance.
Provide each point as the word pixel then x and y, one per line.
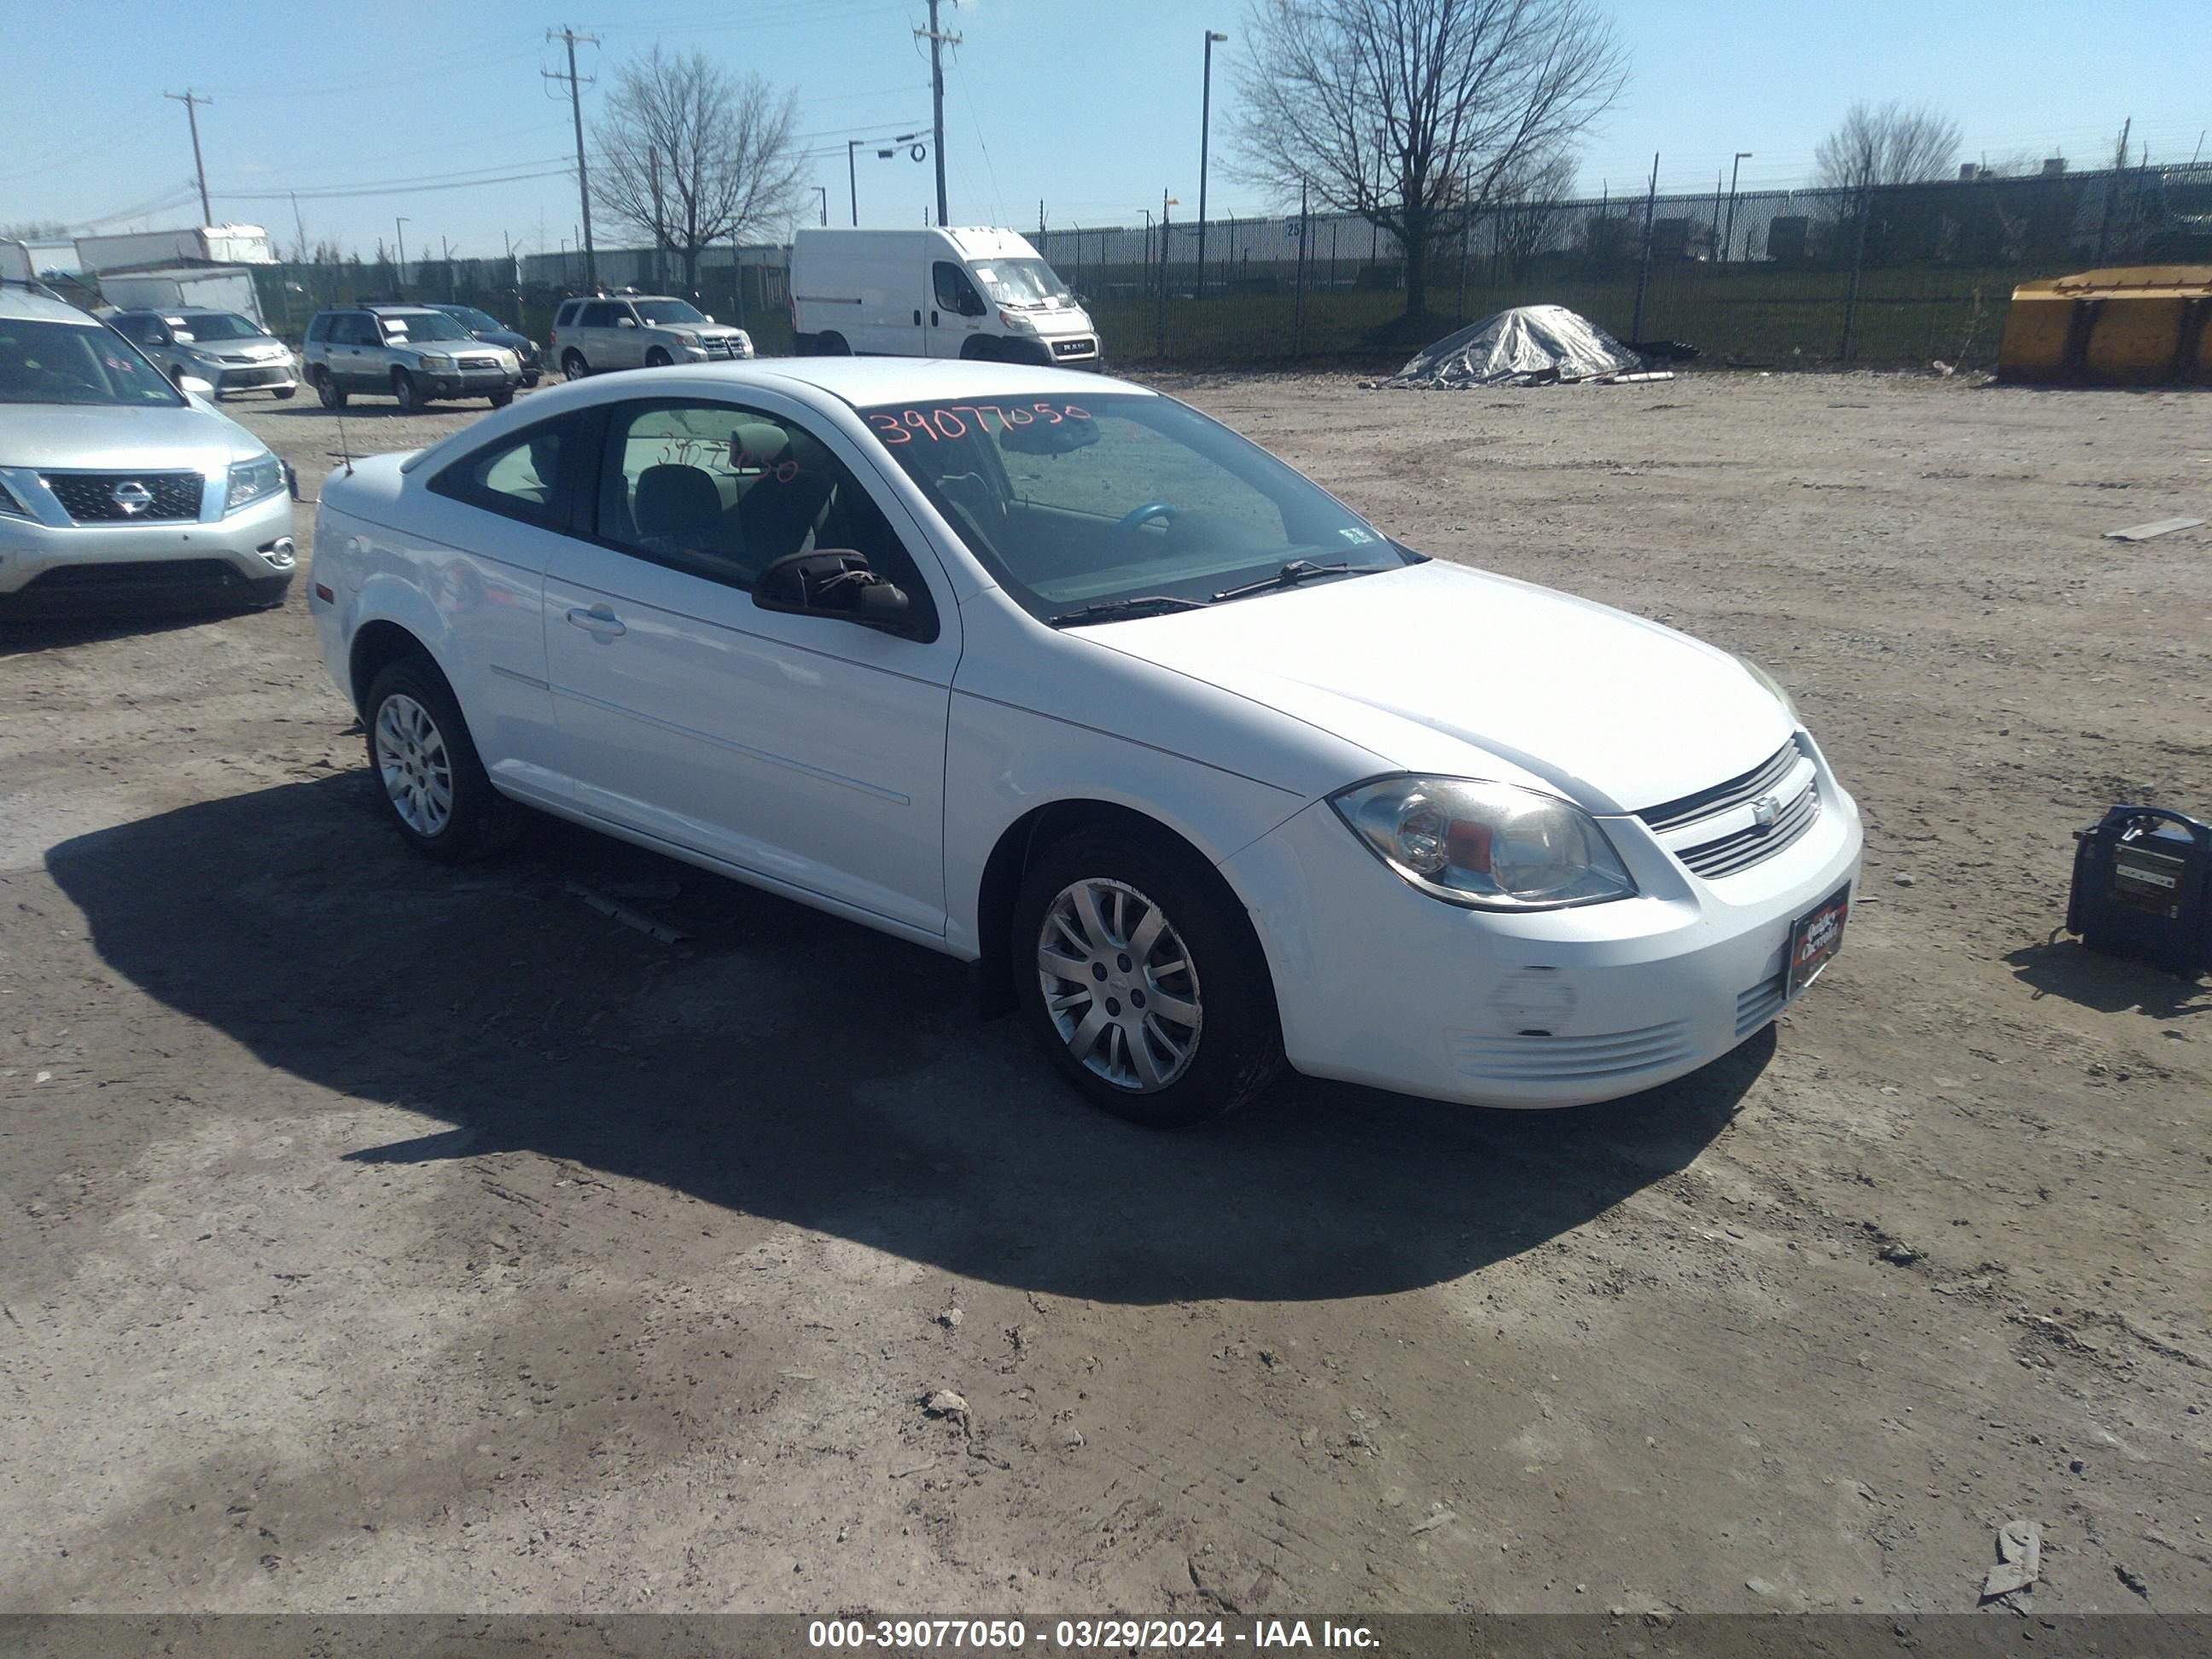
pixel 941 292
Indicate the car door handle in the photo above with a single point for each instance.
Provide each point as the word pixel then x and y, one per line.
pixel 917 319
pixel 598 622
pixel 933 319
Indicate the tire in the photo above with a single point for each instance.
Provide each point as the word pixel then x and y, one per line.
pixel 501 399
pixel 530 382
pixel 832 344
pixel 573 364
pixel 1154 1068
pixel 284 392
pixel 405 388
pixel 328 391
pixel 656 358
pixel 979 349
pixel 426 767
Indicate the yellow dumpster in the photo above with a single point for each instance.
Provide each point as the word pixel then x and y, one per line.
pixel 2137 325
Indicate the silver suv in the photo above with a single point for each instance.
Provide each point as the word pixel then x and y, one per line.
pixel 230 352
pixel 412 353
pixel 639 331
pixel 117 489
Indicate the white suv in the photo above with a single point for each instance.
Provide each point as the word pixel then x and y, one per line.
pixel 639 331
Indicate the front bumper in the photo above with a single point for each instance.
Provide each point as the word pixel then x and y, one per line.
pixel 255 377
pixel 1378 983
pixel 465 383
pixel 247 558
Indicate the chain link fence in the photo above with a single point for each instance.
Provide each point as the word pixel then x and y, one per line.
pixel 1800 278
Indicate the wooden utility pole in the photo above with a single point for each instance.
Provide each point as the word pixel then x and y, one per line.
pixel 569 36
pixel 191 101
pixel 939 39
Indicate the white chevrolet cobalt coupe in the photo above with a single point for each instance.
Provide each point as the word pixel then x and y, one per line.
pixel 1055 674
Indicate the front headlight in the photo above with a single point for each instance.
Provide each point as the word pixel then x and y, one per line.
pixel 1773 685
pixel 432 360
pixel 1487 846
pixel 251 480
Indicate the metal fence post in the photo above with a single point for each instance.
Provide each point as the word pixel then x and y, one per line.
pixel 1643 271
pixel 1299 307
pixel 1858 258
pixel 1160 323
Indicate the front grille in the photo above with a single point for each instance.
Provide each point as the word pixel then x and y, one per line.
pixel 1739 791
pixel 89 497
pixel 1074 348
pixel 1530 1059
pixel 1728 855
pixel 479 363
pixel 719 348
pixel 143 573
pixel 244 377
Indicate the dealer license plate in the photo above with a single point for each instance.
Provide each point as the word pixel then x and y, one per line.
pixel 1815 939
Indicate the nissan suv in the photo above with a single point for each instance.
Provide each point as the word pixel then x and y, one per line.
pixel 119 490
pixel 410 353
pixel 639 331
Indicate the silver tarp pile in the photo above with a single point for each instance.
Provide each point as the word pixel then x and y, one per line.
pixel 1529 345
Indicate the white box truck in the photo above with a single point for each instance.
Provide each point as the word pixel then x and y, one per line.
pixel 211 244
pixel 202 288
pixel 941 292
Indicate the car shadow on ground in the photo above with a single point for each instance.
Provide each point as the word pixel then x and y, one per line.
pixel 2111 985
pixel 785 1064
pixel 22 636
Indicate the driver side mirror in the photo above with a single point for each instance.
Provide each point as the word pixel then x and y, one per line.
pixel 839 583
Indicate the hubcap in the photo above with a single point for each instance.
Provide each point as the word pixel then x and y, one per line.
pixel 1118 985
pixel 411 756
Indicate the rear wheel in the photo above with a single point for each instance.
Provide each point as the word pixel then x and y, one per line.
pixel 573 364
pixel 833 344
pixel 405 388
pixel 426 768
pixel 1140 973
pixel 328 391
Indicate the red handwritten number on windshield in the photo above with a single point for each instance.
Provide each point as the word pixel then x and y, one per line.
pixel 889 429
pixel 949 423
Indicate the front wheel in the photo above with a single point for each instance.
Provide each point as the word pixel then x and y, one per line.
pixel 500 399
pixel 426 766
pixel 405 388
pixel 656 358
pixel 284 392
pixel 1140 975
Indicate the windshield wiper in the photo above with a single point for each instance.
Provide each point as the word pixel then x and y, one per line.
pixel 1301 570
pixel 1142 604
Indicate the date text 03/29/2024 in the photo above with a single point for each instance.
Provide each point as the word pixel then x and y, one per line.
pixel 1077 1635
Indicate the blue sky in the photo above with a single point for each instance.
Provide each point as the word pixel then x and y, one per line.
pixel 1090 106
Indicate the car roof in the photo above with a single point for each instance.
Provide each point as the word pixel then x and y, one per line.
pixel 36 307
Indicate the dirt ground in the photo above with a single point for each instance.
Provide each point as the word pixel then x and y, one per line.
pixel 377 1236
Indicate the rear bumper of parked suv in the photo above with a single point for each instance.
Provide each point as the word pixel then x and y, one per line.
pixel 246 558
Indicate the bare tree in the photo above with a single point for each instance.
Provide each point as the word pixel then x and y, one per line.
pixel 1888 145
pixel 690 155
pixel 1418 115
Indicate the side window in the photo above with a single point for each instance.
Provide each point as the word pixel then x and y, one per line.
pixel 319 328
pixel 598 315
pixel 145 331
pixel 724 492
pixel 565 317
pixel 955 293
pixel 518 477
pixel 353 329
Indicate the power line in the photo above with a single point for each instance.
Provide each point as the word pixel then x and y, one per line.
pixel 390 190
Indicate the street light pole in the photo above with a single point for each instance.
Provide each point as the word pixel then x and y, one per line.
pixel 1204 126
pixel 398 226
pixel 1729 241
pixel 823 191
pixel 853 176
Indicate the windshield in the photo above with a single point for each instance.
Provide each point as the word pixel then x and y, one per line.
pixel 668 311
pixel 218 325
pixel 421 326
pixel 1073 504
pixel 1022 283
pixel 43 363
pixel 470 317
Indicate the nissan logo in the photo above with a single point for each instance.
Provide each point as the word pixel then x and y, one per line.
pixel 132 497
pixel 1765 809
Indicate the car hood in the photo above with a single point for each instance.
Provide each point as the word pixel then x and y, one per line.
pixel 698 331
pixel 1438 668
pixel 504 337
pixel 87 438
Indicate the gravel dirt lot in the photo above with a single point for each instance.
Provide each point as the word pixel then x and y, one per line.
pixel 377 1236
